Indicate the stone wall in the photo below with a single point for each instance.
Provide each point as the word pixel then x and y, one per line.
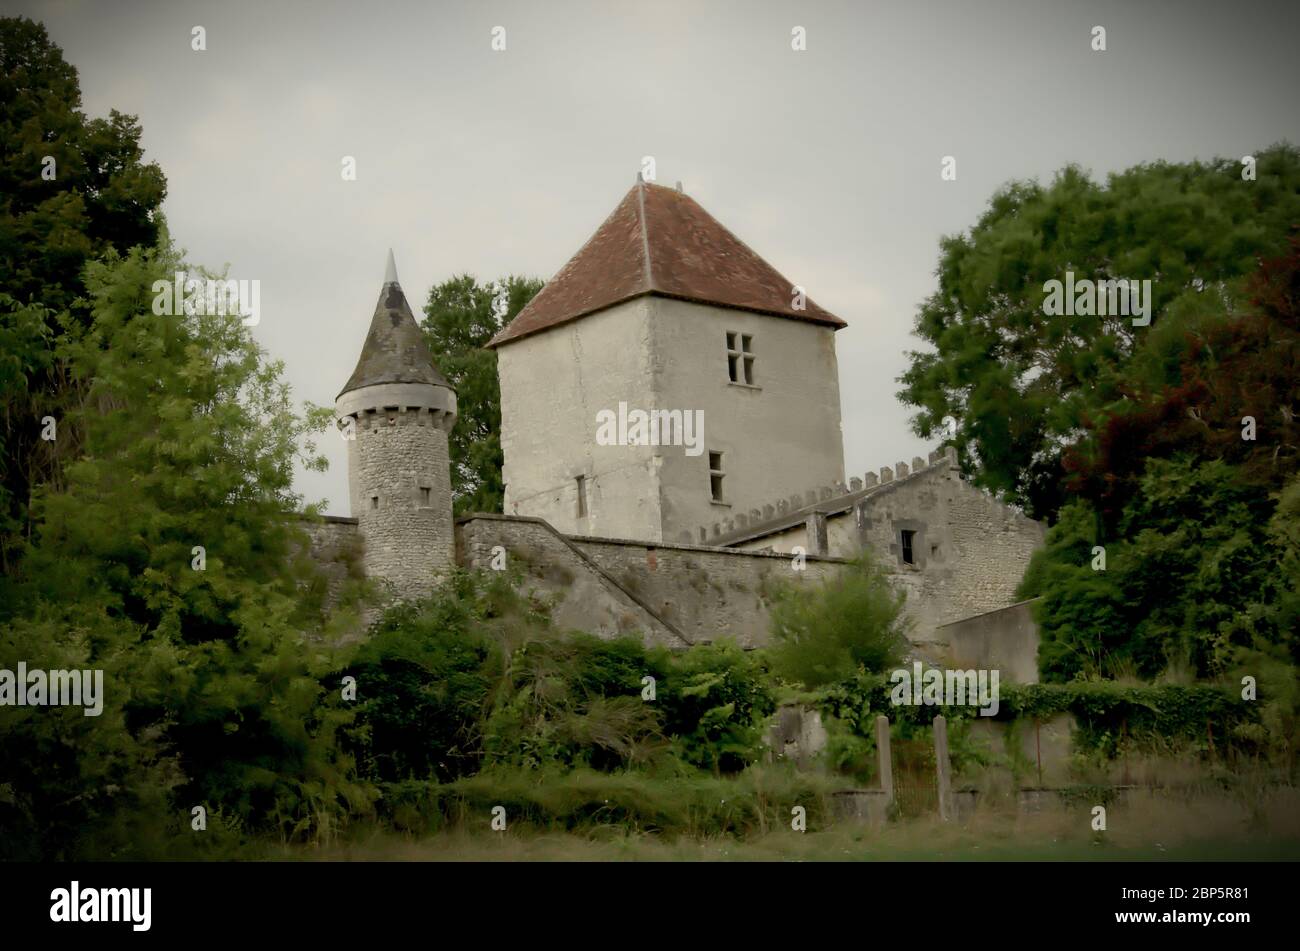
pixel 1005 640
pixel 706 593
pixel 336 546
pixel 655 353
pixel 675 595
pixel 969 551
pixel 780 435
pixel 553 384
pixel 585 596
pixel 400 483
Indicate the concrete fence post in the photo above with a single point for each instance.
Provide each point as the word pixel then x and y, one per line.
pixel 943 768
pixel 886 763
pixel 815 529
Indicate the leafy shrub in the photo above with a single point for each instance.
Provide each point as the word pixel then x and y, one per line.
pixel 715 701
pixel 823 635
pixel 582 800
pixel 423 682
pixel 575 700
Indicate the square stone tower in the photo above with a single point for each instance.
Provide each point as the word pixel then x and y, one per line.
pixel 396 412
pixel 665 311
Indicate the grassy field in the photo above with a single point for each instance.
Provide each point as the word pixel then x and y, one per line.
pixel 1203 828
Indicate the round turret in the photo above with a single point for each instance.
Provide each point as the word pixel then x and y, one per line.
pixel 396 412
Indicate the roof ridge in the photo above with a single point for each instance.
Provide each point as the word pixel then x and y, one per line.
pixel 662 242
pixel 645 234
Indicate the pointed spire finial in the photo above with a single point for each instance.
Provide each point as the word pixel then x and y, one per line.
pixel 390 272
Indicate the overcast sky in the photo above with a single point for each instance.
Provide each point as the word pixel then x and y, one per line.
pixel 825 161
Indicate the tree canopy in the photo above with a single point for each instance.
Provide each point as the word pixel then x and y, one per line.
pixel 461 316
pixel 1023 386
pixel 71 188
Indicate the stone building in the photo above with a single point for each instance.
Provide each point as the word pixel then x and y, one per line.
pixel 665 310
pixel 396 412
pixel 680 540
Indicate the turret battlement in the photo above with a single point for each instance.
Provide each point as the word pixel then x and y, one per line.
pixel 375 419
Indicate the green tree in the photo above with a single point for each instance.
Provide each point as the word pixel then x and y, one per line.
pixel 461 316
pixel 1023 386
pixel 822 635
pixel 70 189
pixel 1193 516
pixel 166 558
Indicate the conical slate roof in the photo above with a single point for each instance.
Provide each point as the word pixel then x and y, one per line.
pixel 395 350
pixel 660 241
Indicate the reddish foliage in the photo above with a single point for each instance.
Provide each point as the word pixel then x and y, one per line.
pixel 1248 366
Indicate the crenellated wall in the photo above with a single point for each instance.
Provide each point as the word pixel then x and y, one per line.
pixel 780 514
pixel 969 551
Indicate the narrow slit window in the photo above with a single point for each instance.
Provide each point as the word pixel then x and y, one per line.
pixel 374 501
pixel 908 536
pixel 716 476
pixel 426 496
pixel 582 496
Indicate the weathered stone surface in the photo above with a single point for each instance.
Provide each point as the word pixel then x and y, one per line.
pixel 777 437
pixel 796 734
pixel 400 480
pixel 587 597
pixel 708 594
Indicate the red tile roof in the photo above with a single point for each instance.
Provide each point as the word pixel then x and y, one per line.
pixel 660 241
